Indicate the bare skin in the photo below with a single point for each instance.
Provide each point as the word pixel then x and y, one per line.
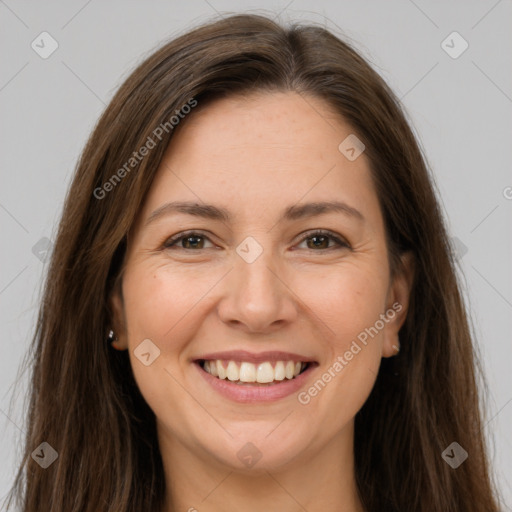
pixel 255 156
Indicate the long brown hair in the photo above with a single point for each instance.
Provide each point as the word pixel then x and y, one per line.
pixel 84 401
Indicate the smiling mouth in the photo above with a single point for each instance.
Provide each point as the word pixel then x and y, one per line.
pixel 244 373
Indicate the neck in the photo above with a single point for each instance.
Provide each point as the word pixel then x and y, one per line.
pixel 319 481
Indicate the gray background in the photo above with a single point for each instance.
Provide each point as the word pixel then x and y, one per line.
pixel 460 109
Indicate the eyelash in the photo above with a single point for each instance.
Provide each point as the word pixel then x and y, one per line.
pixel 171 242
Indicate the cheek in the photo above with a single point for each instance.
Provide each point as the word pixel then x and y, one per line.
pixel 156 304
pixel 342 304
pixel 162 306
pixel 159 304
pixel 347 301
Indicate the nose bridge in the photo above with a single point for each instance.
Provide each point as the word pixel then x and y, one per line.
pixel 255 295
pixel 255 279
pixel 257 275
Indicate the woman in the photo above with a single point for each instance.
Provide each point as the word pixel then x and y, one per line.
pixel 253 228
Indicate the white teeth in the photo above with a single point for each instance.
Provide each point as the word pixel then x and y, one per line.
pixel 232 371
pixel 279 373
pixel 220 369
pixel 247 372
pixel 263 373
pixel 289 369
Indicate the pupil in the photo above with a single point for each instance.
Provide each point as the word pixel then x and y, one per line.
pixel 187 240
pixel 322 237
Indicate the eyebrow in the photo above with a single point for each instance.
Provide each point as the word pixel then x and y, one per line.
pixel 293 212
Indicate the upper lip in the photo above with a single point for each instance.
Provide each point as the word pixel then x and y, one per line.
pixel 251 357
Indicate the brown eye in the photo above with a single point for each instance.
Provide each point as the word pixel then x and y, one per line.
pixel 191 240
pixel 320 240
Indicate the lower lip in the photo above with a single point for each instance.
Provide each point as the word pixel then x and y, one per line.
pixel 255 393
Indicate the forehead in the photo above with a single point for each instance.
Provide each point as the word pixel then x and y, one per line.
pixel 261 152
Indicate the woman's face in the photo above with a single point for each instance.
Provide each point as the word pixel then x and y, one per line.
pixel 255 289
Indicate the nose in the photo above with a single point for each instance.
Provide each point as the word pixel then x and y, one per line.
pixel 256 297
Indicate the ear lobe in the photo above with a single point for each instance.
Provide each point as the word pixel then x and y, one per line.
pixel 116 307
pixel 398 303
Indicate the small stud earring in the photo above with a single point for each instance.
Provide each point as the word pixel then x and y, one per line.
pixel 112 338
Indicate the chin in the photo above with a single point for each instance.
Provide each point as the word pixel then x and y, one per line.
pixel 257 453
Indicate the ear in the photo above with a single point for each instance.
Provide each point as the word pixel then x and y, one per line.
pixel 397 304
pixel 116 307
